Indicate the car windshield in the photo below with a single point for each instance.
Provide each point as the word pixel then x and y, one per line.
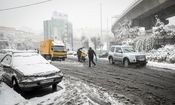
pixel 58 48
pixel 128 49
pixel 28 59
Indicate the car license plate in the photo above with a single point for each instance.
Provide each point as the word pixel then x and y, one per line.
pixel 141 59
pixel 47 81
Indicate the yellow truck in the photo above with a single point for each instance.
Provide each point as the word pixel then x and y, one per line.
pixel 53 50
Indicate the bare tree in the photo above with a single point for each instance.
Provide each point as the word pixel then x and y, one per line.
pixel 85 41
pixel 97 42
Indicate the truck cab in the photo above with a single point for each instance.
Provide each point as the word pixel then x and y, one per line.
pixel 53 50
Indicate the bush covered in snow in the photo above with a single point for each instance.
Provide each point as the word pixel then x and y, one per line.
pixel 164 54
pixel 144 43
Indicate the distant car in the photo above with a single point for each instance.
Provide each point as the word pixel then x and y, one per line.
pixel 26 70
pixel 103 55
pixel 72 53
pixel 126 55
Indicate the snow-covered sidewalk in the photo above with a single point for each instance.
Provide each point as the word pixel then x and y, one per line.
pixel 9 97
pixel 161 65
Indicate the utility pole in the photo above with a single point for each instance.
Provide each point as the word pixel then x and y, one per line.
pixel 100 22
pixel 101 18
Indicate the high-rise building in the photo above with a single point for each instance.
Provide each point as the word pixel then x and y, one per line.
pixel 59 28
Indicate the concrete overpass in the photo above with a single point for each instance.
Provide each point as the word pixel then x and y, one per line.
pixel 142 13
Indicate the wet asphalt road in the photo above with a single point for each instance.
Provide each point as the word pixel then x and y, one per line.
pixel 143 86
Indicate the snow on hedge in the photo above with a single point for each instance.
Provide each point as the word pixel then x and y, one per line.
pixel 164 54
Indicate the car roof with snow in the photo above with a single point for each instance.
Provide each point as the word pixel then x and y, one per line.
pixel 22 51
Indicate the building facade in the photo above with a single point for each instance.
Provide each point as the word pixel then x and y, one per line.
pixel 59 28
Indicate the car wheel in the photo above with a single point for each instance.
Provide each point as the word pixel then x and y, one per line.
pixel 15 85
pixel 143 65
pixel 111 60
pixel 54 87
pixel 126 62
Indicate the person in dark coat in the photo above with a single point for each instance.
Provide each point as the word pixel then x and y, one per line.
pixel 91 54
pixel 79 54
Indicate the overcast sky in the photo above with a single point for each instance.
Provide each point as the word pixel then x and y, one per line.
pixel 82 13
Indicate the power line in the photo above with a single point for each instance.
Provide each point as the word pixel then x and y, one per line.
pixel 27 5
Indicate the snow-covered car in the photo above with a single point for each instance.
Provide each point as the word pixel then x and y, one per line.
pixel 3 52
pixel 26 70
pixel 126 55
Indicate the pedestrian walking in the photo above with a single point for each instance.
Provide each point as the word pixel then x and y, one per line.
pixel 91 54
pixel 79 54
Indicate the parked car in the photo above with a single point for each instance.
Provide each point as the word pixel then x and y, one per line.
pixel 126 55
pixel 3 52
pixel 26 70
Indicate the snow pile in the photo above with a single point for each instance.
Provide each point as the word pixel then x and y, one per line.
pixel 164 54
pixel 164 66
pixel 70 63
pixel 9 97
pixel 71 91
pixel 79 93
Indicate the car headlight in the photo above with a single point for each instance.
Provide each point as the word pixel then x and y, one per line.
pixel 27 79
pixel 59 73
pixel 132 57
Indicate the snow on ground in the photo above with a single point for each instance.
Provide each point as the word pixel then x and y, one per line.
pixel 9 97
pixel 76 93
pixel 72 92
pixel 161 65
pixel 72 63
pixel 71 56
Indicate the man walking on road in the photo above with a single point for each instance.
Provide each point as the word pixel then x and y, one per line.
pixel 79 54
pixel 91 54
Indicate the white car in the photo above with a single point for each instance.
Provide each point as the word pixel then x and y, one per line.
pixel 26 70
pixel 126 55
